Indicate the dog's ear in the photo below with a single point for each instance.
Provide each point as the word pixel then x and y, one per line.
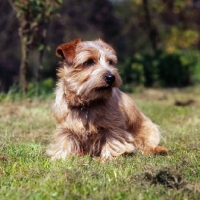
pixel 67 50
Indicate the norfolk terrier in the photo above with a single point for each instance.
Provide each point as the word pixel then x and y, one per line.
pixel 93 116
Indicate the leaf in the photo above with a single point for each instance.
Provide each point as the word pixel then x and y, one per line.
pixel 41 47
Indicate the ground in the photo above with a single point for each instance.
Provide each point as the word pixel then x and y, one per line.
pixel 26 172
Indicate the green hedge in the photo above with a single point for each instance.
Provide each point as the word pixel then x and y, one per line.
pixel 159 70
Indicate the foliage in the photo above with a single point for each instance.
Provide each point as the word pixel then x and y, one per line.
pixel 34 17
pixel 132 27
pixel 180 39
pixel 162 69
pixel 196 75
pixel 42 90
pixel 27 173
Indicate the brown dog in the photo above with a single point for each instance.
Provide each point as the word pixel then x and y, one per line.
pixel 93 116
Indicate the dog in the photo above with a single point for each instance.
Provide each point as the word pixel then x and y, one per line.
pixel 93 116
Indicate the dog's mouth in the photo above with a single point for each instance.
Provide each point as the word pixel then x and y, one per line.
pixel 103 88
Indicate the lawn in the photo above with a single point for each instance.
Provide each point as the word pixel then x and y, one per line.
pixel 26 172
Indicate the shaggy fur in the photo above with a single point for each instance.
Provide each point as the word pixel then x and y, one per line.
pixel 93 116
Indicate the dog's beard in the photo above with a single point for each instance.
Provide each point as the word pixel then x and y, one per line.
pixel 92 92
pixel 103 88
pixel 86 94
pixel 88 89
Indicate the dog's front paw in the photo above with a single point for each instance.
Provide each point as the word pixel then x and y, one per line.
pixel 106 155
pixel 115 148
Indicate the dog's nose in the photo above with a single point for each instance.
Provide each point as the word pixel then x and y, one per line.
pixel 109 78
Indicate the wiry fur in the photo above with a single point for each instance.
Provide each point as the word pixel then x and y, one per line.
pixel 92 116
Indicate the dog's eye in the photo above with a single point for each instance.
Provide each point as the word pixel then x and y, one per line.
pixel 110 62
pixel 89 62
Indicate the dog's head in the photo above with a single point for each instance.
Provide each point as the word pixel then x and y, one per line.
pixel 88 69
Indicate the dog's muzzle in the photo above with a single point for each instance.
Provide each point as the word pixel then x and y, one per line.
pixel 109 78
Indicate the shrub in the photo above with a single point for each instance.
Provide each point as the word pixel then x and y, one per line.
pixel 161 70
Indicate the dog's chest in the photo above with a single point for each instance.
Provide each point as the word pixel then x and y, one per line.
pixel 91 121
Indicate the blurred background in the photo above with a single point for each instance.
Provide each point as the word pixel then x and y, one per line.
pixel 157 41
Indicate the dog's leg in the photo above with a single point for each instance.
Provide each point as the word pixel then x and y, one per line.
pixel 63 146
pixel 157 150
pixel 145 132
pixel 148 138
pixel 117 144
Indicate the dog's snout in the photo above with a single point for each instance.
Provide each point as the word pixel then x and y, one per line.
pixel 109 78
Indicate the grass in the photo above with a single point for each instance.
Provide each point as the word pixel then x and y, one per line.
pixel 26 127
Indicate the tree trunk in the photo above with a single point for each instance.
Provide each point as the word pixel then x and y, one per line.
pixel 24 63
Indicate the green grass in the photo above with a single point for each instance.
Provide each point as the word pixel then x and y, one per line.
pixel 26 173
